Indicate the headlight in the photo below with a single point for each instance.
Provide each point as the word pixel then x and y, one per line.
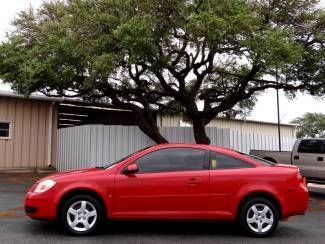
pixel 44 186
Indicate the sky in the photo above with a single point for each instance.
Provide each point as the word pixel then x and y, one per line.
pixel 265 109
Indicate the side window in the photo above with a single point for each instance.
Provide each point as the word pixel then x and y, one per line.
pixel 4 130
pixel 311 146
pixel 172 159
pixel 222 161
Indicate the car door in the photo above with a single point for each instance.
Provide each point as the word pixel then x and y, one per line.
pixel 310 158
pixel 170 183
pixel 227 175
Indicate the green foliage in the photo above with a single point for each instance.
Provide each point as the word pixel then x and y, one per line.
pixel 310 125
pixel 167 55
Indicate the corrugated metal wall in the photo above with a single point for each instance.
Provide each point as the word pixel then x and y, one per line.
pixel 243 126
pixel 244 142
pixel 28 146
pixel 93 145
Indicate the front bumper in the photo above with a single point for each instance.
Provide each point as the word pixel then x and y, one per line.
pixel 40 206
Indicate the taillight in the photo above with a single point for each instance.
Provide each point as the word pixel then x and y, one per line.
pixel 304 181
pixel 301 178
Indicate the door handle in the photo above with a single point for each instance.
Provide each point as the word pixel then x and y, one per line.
pixel 320 159
pixel 296 157
pixel 194 181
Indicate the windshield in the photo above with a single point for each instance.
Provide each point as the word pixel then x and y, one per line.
pixel 107 165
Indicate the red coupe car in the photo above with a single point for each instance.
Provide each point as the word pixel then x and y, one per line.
pixel 173 182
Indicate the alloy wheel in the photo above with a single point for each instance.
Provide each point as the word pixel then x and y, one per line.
pixel 260 218
pixel 81 216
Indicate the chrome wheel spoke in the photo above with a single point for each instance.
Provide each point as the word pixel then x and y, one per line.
pixel 74 223
pixel 91 213
pixel 254 209
pixel 83 206
pixel 72 211
pixel 268 221
pixel 251 220
pixel 265 209
pixel 86 224
pixel 259 227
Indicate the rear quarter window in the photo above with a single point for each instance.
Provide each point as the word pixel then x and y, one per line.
pixel 260 160
pixel 223 161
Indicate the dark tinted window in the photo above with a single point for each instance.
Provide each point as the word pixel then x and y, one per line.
pixel 311 146
pixel 260 160
pixel 4 129
pixel 222 161
pixel 172 159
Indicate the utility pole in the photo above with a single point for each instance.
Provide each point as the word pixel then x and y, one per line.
pixel 278 108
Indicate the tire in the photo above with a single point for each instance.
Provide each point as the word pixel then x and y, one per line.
pixel 258 217
pixel 82 215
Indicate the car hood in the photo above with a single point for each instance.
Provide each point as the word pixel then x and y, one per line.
pixel 72 173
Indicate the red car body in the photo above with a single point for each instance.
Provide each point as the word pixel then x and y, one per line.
pixel 200 194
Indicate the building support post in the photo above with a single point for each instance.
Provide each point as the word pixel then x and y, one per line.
pixel 50 129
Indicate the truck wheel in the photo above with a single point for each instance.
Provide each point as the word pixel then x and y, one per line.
pixel 259 217
pixel 82 215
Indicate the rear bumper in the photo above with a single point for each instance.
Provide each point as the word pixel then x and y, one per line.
pixel 40 206
pixel 296 202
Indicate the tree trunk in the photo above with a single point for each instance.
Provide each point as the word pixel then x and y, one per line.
pixel 148 125
pixel 199 132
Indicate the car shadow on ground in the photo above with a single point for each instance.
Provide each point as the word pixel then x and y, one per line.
pixel 148 228
pixel 158 228
pixel 174 228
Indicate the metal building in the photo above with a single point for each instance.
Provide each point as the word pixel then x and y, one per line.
pixel 29 129
pixel 244 126
pixel 28 132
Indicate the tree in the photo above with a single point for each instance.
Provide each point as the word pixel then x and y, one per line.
pixel 168 55
pixel 310 125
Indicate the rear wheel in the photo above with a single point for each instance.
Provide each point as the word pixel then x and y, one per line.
pixel 82 215
pixel 259 217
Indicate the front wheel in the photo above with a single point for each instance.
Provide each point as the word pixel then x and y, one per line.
pixel 259 217
pixel 82 215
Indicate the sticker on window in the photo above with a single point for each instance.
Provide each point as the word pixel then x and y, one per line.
pixel 213 164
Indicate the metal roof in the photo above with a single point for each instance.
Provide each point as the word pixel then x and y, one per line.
pixel 32 97
pixel 76 102
pixel 80 103
pixel 259 122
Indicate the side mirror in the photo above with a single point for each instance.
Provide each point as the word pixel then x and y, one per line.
pixel 131 169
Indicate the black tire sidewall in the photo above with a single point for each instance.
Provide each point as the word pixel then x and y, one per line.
pixel 69 202
pixel 243 213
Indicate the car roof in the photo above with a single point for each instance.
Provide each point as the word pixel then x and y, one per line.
pixel 227 151
pixel 192 145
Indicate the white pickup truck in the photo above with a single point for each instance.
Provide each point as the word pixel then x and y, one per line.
pixel 307 154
